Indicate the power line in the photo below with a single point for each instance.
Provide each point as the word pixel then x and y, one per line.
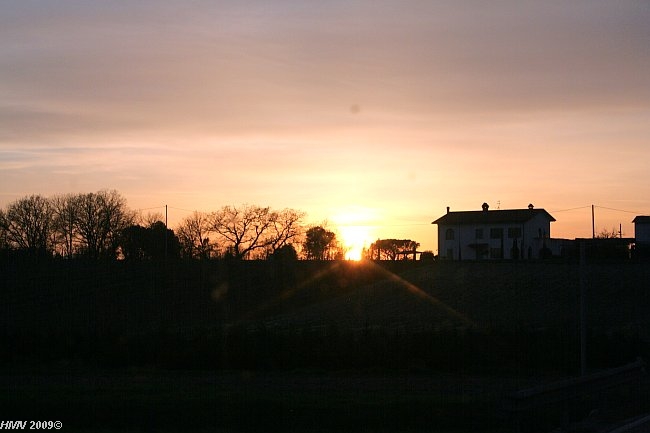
pixel 163 207
pixel 149 208
pixel 184 210
pixel 618 210
pixel 600 207
pixel 573 208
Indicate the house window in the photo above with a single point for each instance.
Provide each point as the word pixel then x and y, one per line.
pixel 450 254
pixel 514 232
pixel 449 234
pixel 496 253
pixel 496 233
pixel 479 234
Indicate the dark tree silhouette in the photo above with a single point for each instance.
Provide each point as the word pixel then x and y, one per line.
pixel 101 218
pixel 134 242
pixel 392 249
pixel 607 234
pixel 163 243
pixel 4 241
pixel 65 209
pixel 286 226
pixel 319 243
pixel 243 229
pixel 149 243
pixel 193 234
pixel 150 218
pixel 28 223
pixel 285 253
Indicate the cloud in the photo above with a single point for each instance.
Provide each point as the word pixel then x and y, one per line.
pixel 245 66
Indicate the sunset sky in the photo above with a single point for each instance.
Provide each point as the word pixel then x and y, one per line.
pixel 376 113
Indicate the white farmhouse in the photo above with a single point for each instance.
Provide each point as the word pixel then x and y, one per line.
pixel 641 237
pixel 495 234
pixel 642 229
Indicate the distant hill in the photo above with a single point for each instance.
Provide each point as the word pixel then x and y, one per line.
pixel 288 314
pixel 409 295
pixel 501 296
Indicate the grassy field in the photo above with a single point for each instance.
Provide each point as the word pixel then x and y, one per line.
pixel 140 297
pixel 303 346
pixel 220 315
pixel 257 401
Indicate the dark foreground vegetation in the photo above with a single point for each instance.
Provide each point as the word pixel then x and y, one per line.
pixel 303 345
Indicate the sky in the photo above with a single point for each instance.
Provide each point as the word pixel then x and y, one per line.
pixel 371 115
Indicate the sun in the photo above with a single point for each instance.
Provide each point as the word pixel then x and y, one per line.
pixel 355 229
pixel 354 240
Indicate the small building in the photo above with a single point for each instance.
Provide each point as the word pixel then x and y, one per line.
pixel 496 234
pixel 642 229
pixel 641 236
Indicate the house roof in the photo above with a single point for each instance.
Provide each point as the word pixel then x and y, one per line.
pixel 505 216
pixel 641 219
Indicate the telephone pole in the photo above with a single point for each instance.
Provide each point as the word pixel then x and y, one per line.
pixel 593 223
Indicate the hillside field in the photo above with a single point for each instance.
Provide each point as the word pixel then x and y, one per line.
pixel 242 314
pixel 303 346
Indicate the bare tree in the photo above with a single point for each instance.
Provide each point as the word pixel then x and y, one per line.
pixel 28 223
pixel 607 234
pixel 4 241
pixel 286 226
pixel 244 228
pixel 193 233
pixel 149 219
pixel 65 210
pixel 102 216
pixel 91 223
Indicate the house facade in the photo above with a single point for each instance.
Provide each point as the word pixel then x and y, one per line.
pixel 642 229
pixel 641 236
pixel 495 234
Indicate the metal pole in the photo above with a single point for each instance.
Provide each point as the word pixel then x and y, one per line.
pixel 165 232
pixel 593 223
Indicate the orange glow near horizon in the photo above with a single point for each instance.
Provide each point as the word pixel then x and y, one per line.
pixel 372 117
pixel 354 240
pixel 354 232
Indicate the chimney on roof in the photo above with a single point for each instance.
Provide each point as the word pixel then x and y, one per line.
pixel 531 207
pixel 485 207
pixel 447 209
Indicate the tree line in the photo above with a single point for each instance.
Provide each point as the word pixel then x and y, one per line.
pixel 66 225
pixel 99 225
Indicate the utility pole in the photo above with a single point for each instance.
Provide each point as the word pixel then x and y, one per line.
pixel 593 223
pixel 583 310
pixel 165 232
